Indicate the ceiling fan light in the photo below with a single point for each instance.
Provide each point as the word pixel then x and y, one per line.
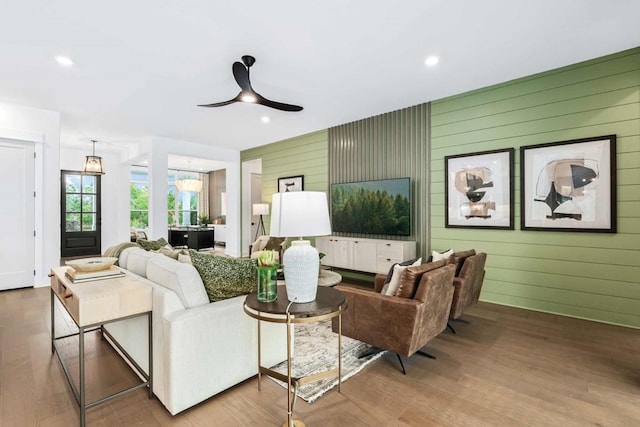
pixel 248 97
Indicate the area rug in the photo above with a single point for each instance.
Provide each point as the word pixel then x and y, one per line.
pixel 316 350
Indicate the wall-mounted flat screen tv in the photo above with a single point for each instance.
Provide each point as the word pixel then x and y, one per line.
pixel 372 207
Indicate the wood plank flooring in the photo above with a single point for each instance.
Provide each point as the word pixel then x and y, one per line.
pixel 509 367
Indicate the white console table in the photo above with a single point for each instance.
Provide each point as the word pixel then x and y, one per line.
pixel 92 305
pixel 368 255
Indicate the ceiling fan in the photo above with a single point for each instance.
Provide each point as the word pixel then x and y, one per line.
pixel 247 94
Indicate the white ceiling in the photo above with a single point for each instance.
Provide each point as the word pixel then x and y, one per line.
pixel 142 66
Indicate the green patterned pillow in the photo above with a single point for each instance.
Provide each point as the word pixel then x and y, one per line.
pixel 152 245
pixel 225 277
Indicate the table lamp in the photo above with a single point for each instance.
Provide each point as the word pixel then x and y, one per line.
pixel 300 213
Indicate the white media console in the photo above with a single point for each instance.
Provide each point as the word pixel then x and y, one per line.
pixel 369 255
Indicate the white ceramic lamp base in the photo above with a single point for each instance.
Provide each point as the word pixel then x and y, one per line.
pixel 301 265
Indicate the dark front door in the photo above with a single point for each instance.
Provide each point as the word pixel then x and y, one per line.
pixel 80 215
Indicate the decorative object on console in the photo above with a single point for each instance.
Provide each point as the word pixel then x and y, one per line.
pixel 260 209
pixel 300 213
pixel 93 163
pixel 479 190
pixel 92 264
pixel 569 185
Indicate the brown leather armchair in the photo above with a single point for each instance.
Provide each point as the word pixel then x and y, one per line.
pixel 467 283
pixel 397 324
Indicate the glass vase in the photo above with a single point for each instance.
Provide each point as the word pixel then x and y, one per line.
pixel 267 283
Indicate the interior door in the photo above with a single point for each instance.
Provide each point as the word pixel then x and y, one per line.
pixel 17 253
pixel 80 214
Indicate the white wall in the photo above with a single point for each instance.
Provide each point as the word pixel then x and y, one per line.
pixel 41 127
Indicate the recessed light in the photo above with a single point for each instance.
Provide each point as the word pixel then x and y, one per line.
pixel 431 61
pixel 64 61
pixel 265 119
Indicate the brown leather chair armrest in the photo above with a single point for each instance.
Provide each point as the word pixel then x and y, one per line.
pixel 378 282
pixel 382 321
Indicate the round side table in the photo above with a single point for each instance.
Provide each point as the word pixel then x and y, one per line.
pixel 329 303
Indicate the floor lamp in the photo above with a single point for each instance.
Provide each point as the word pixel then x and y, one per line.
pixel 260 209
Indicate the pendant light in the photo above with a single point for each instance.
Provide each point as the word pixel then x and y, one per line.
pixel 189 184
pixel 93 163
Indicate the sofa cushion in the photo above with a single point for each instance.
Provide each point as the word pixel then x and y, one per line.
pixel 123 258
pixel 391 287
pixel 225 277
pixel 152 245
pixel 181 278
pixel 274 244
pixel 411 276
pixel 437 256
pixel 137 261
pixel 169 251
pixel 403 263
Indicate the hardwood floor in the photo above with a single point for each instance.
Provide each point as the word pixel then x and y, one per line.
pixel 508 367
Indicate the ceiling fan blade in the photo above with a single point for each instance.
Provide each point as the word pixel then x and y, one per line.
pixel 241 74
pixel 221 104
pixel 277 105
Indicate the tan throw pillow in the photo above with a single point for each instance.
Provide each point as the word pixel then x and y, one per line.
pixel 410 278
pixel 274 243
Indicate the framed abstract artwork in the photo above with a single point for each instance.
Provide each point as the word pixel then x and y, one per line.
pixel 479 190
pixel 569 185
pixel 291 183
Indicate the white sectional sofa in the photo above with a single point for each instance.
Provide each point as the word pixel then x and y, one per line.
pixel 199 348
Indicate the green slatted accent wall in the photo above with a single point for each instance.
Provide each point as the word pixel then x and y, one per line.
pixel 303 155
pixel 587 275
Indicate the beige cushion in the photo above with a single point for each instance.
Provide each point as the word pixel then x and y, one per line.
pixel 437 256
pixel 181 278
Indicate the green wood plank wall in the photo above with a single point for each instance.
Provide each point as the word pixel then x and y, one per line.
pixel 303 155
pixel 586 275
pixel 390 145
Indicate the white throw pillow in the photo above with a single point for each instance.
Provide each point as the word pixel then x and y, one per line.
pixel 437 256
pixel 398 269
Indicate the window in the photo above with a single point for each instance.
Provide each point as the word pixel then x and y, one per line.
pixel 183 206
pixel 81 205
pixel 139 196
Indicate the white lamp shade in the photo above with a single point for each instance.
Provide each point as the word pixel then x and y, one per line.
pixel 261 209
pixel 300 213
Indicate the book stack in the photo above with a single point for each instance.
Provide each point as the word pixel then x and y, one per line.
pixel 87 276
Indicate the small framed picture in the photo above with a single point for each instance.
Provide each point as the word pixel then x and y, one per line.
pixel 291 183
pixel 479 190
pixel 569 185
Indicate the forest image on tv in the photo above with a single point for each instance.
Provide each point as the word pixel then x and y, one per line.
pixel 371 207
